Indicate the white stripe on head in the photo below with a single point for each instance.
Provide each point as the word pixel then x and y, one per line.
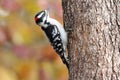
pixel 47 13
pixel 39 16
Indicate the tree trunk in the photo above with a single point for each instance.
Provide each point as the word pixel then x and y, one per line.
pixel 94 41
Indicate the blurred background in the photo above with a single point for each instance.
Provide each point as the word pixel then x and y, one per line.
pixel 25 53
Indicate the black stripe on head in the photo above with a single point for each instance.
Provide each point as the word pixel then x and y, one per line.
pixel 39 17
pixel 39 13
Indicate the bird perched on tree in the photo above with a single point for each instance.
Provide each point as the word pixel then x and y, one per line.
pixel 55 33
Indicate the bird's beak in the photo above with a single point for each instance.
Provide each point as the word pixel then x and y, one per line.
pixel 47 13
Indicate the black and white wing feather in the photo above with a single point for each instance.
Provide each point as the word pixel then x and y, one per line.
pixel 54 37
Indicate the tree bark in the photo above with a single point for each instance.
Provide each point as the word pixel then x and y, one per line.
pixel 94 41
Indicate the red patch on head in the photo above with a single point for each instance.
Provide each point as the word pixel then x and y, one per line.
pixel 36 18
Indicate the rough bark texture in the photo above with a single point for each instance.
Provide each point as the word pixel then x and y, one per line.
pixel 94 42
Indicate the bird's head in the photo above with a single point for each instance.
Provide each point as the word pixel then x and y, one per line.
pixel 41 17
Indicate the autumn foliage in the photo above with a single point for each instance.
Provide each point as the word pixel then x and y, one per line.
pixel 25 53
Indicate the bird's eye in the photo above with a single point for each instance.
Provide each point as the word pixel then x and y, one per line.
pixel 43 15
pixel 40 14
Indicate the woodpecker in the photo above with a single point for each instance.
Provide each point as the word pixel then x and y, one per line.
pixel 55 33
